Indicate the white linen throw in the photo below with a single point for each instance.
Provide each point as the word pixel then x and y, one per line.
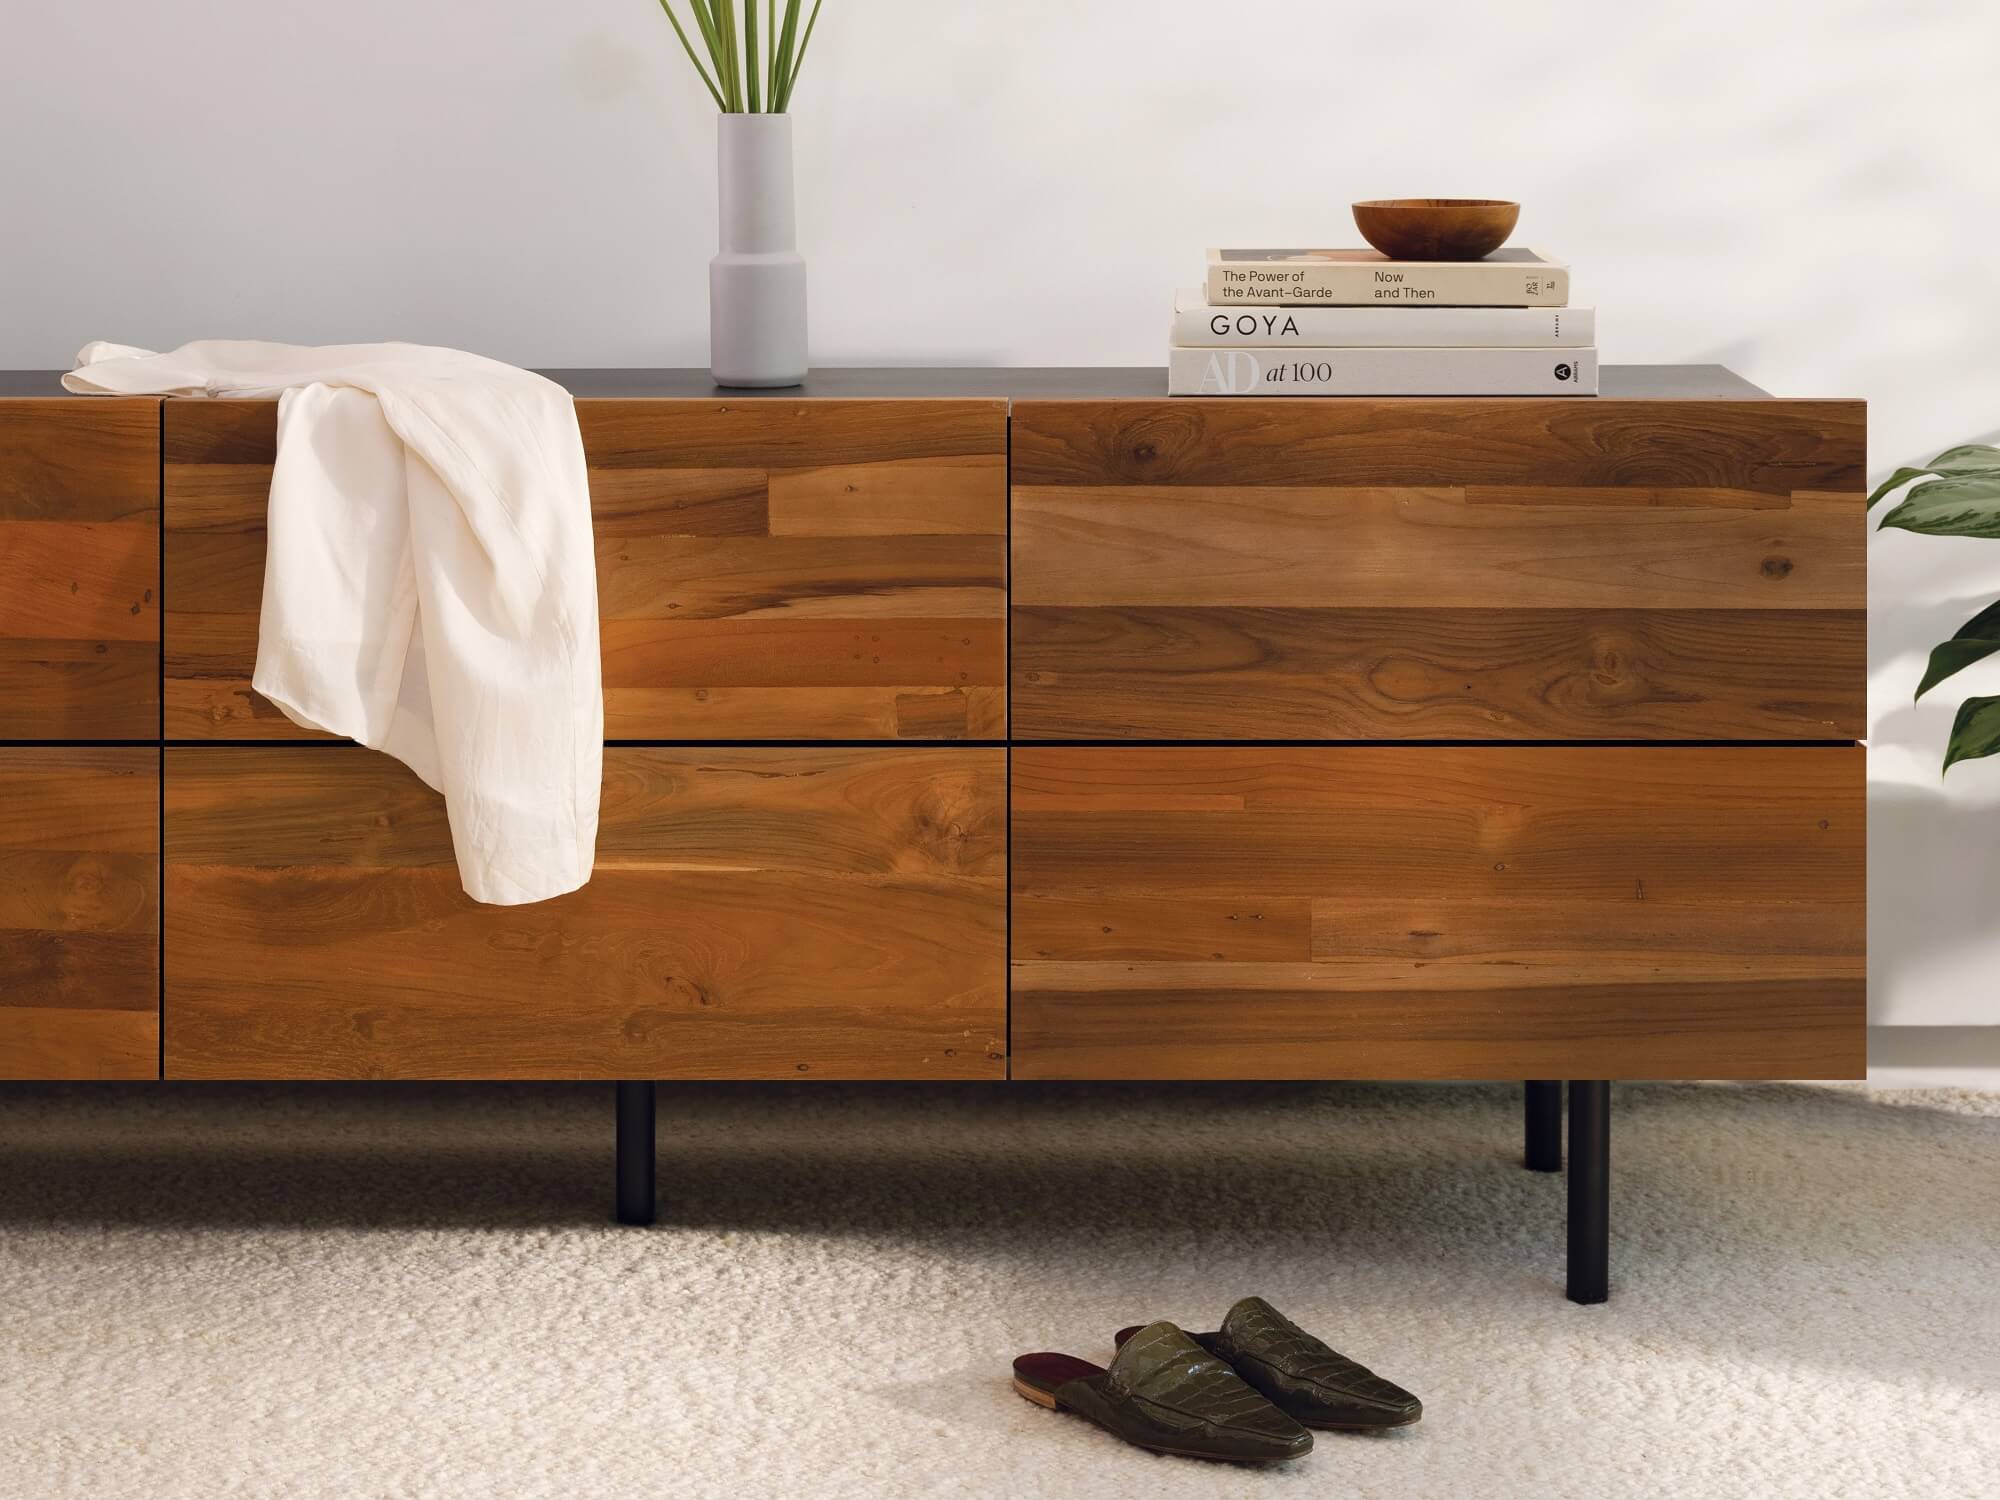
pixel 430 587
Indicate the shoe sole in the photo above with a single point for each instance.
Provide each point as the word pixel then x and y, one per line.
pixel 1361 1426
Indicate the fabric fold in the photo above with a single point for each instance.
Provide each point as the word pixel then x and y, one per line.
pixel 430 583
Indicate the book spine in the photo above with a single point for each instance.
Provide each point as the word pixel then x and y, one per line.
pixel 1386 327
pixel 1403 283
pixel 1381 372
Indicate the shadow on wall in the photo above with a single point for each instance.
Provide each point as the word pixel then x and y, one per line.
pixel 1924 1057
pixel 1933 875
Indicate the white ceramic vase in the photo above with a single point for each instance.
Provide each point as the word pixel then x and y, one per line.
pixel 757 281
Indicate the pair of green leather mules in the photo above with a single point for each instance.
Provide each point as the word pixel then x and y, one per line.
pixel 1247 1392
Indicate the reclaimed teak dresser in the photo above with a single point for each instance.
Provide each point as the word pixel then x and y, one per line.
pixel 989 724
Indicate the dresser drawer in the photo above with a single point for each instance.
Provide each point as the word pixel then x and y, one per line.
pixel 1438 912
pixel 79 913
pixel 79 569
pixel 755 913
pixel 1412 569
pixel 767 569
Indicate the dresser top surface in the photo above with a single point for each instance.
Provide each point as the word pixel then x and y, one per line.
pixel 1084 383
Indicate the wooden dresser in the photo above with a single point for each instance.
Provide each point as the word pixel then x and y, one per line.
pixel 976 724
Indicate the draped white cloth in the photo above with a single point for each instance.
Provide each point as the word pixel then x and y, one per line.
pixel 430 588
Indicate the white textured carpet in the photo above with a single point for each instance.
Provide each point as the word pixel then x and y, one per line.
pixel 411 1291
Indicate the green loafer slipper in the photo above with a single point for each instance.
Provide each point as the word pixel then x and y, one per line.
pixel 1166 1393
pixel 1298 1374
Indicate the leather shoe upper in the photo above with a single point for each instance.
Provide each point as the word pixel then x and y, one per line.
pixel 1165 1391
pixel 1302 1376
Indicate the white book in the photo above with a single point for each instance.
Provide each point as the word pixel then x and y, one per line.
pixel 1509 277
pixel 1199 323
pixel 1266 371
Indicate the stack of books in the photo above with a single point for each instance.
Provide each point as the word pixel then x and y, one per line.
pixel 1356 323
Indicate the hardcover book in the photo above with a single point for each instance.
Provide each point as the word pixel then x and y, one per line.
pixel 1200 323
pixel 1509 277
pixel 1241 371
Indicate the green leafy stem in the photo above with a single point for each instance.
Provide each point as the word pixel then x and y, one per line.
pixel 1959 496
pixel 736 78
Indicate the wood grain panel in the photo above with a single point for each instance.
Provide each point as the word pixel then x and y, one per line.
pixel 79 569
pixel 1768 447
pixel 755 913
pixel 1428 548
pixel 1611 569
pixel 79 913
pixel 775 569
pixel 1349 673
pixel 900 498
pixel 1438 912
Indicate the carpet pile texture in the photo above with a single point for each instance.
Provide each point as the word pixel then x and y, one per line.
pixel 412 1290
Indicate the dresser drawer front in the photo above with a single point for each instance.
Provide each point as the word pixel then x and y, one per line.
pixel 755 913
pixel 767 569
pixel 79 569
pixel 1606 569
pixel 79 913
pixel 1438 912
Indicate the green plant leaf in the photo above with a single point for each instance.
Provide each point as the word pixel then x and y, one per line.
pixel 1967 458
pixel 1953 656
pixel 1975 733
pixel 725 11
pixel 1895 482
pixel 734 60
pixel 792 80
pixel 704 17
pixel 1964 505
pixel 707 15
pixel 788 38
pixel 699 69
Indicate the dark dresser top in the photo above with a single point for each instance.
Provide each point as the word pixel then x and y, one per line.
pixel 1082 382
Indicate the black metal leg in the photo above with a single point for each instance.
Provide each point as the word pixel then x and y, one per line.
pixel 1589 1190
pixel 1545 1124
pixel 635 1153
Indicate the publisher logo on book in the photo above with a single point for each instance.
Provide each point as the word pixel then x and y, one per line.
pixel 1566 371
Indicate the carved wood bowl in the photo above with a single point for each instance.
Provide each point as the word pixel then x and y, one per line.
pixel 1436 228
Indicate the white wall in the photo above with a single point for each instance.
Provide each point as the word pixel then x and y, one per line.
pixel 1809 192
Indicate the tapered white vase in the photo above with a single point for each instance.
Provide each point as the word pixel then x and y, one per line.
pixel 757 281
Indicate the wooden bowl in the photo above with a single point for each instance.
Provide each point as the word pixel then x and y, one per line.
pixel 1436 228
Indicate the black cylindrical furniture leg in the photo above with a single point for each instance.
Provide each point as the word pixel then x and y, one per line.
pixel 1544 1124
pixel 635 1152
pixel 1589 1190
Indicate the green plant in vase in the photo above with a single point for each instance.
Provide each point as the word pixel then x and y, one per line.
pixel 757 280
pixel 1959 496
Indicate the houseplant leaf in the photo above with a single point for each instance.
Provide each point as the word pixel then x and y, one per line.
pixel 1895 482
pixel 1965 459
pixel 1964 505
pixel 1976 731
pixel 1977 639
